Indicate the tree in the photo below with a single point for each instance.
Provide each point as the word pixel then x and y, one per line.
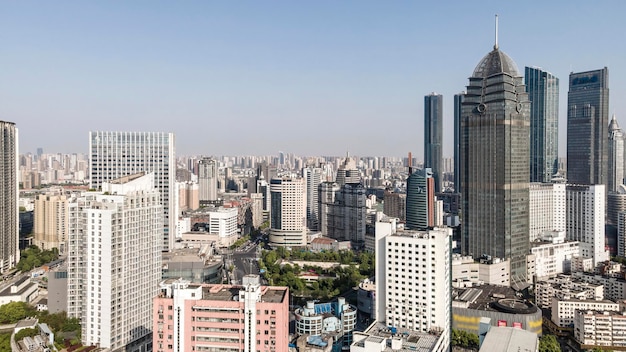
pixel 12 312
pixel 549 343
pixel 28 332
pixel 464 339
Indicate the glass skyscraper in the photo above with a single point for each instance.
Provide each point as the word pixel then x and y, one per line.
pixel 587 127
pixel 543 92
pixel 433 134
pixel 495 163
pixel 420 198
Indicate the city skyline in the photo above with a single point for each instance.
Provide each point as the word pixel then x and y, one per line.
pixel 251 70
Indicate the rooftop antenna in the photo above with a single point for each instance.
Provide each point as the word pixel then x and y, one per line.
pixel 495 46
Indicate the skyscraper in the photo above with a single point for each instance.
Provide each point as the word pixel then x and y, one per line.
pixel 114 261
pixel 543 92
pixel 312 178
pixel 347 172
pixel 9 210
pixel 586 220
pixel 420 198
pixel 495 163
pixel 288 212
pixel 343 212
pixel 207 179
pixel 433 134
pixel 117 154
pixel 458 101
pixel 616 156
pixel 587 127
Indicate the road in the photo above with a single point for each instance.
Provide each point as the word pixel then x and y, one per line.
pixel 245 261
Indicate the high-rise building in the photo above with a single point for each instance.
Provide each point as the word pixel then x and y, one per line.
pixel 420 200
pixel 117 154
pixel 433 137
pixel 543 92
pixel 546 209
pixel 587 127
pixel 114 261
pixel 343 212
pixel 312 179
pixel 458 101
pixel 247 318
pixel 207 179
pixel 287 212
pixel 616 156
pixel 413 270
pixel 50 221
pixel 495 163
pixel 395 205
pixel 347 172
pixel 585 220
pixel 9 210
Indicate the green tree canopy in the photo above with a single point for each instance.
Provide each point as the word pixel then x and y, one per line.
pixel 549 343
pixel 12 312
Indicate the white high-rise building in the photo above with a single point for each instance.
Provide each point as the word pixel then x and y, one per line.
pixel 413 289
pixel 546 209
pixel 288 212
pixel 118 154
pixel 312 179
pixel 616 156
pixel 223 222
pixel 585 220
pixel 9 193
pixel 207 179
pixel 114 261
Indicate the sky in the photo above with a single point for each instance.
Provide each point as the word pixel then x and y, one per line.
pixel 257 77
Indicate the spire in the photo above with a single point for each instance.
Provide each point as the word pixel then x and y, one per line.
pixel 613 125
pixel 495 46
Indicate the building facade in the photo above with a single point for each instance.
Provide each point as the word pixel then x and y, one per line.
pixel 586 220
pixel 433 137
pixel 117 154
pixel 9 210
pixel 50 221
pixel 414 268
pixel 343 212
pixel 288 212
pixel 543 92
pixel 246 318
pixel 495 163
pixel 616 156
pixel 114 261
pixel 546 209
pixel 587 127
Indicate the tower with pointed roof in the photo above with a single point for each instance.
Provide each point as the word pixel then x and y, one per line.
pixel 495 129
pixel 616 156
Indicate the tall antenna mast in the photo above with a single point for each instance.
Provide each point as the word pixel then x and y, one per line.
pixel 495 46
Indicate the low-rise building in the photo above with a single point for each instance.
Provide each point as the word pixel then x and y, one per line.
pixel 467 272
pixel 366 301
pixel 23 290
pixel 249 318
pixel 335 319
pixel 553 255
pixel 563 311
pixel 382 338
pixel 566 287
pixel 600 329
pixel 614 287
pixel 197 265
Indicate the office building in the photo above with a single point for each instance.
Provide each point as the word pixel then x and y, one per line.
pixel 616 157
pixel 585 220
pixel 207 180
pixel 410 298
pixel 114 261
pixel 458 101
pixel 288 212
pixel 50 221
pixel 420 200
pixel 9 210
pixel 543 92
pixel 546 208
pixel 433 137
pixel 248 318
pixel 495 163
pixel 587 127
pixel 118 154
pixel 312 178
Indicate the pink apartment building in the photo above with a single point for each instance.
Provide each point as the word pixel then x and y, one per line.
pixel 248 317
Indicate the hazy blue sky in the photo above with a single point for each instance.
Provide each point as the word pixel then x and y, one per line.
pixel 255 77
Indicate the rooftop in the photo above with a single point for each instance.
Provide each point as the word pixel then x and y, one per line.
pixel 410 340
pixel 269 294
pixel 509 339
pixel 493 298
pixel 495 62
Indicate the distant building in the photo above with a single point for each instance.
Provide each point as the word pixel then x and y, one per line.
pixel 312 178
pixel 244 318
pixel 51 221
pixel 433 137
pixel 288 212
pixel 543 92
pixel 587 127
pixel 9 210
pixel 420 200
pixel 616 157
pixel 207 180
pixel 343 212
